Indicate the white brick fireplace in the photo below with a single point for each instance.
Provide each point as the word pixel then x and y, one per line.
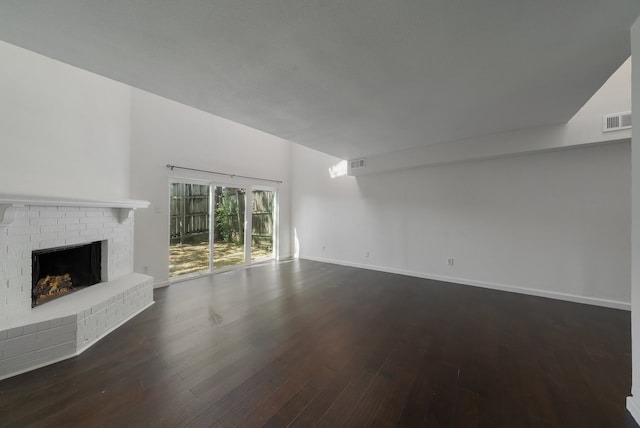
pixel 64 327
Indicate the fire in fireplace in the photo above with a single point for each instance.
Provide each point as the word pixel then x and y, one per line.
pixel 59 271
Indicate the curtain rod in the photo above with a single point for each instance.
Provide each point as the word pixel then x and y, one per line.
pixel 172 167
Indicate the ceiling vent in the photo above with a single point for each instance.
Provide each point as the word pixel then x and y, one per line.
pixel 616 121
pixel 357 164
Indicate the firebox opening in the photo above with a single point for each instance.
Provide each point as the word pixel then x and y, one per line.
pixel 59 271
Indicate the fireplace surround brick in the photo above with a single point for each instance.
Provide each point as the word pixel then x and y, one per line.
pixel 62 328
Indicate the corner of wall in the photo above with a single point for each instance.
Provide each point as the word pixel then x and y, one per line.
pixel 633 402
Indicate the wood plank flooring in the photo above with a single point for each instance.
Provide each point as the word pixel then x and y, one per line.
pixel 304 344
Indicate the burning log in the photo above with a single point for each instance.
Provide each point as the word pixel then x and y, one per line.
pixel 51 286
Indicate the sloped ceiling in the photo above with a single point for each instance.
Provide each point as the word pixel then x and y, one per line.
pixel 349 78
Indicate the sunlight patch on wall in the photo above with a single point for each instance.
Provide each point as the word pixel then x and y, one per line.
pixel 339 169
pixel 296 244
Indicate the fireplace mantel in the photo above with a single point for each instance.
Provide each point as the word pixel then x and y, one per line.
pixel 8 204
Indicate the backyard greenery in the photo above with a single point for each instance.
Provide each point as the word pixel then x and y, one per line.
pixel 229 218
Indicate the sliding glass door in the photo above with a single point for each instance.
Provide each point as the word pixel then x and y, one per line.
pixel 189 219
pixel 262 224
pixel 215 226
pixel 229 237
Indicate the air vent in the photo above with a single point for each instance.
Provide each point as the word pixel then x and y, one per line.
pixel 616 121
pixel 357 164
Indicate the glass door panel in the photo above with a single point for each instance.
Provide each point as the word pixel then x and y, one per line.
pixel 229 228
pixel 262 232
pixel 189 245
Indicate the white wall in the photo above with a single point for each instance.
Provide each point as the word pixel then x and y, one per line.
pixel 633 402
pixel 555 223
pixel 544 211
pixel 63 131
pixel 165 132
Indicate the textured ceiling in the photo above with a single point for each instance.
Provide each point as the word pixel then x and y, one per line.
pixel 349 78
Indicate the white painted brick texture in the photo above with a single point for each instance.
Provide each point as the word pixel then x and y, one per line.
pixel 37 228
pixel 34 344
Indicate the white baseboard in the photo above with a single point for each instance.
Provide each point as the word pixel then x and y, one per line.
pixel 614 304
pixel 633 406
pixel 161 284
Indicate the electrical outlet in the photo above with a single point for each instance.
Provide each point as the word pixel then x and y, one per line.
pixel 450 262
pixel 366 254
pixel 324 248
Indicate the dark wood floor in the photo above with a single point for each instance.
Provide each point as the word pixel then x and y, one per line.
pixel 304 343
